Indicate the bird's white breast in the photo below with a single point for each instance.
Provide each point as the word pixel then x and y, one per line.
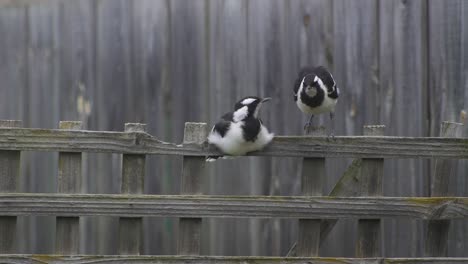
pixel 233 142
pixel 328 105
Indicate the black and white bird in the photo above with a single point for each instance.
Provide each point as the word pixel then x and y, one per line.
pixel 241 131
pixel 315 92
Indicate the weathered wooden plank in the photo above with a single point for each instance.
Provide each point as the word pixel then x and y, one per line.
pixel 368 244
pixel 193 169
pixel 313 173
pixel 89 259
pixel 404 102
pixel 347 185
pixel 133 175
pixel 293 146
pixel 67 235
pixel 232 206
pixel 9 173
pixel 437 230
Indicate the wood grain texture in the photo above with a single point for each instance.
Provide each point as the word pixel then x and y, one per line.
pixel 9 174
pixel 290 146
pixel 133 176
pixel 403 103
pixel 54 259
pixel 233 206
pixel 193 169
pixel 437 230
pixel 313 173
pixel 67 236
pixel 347 185
pixel 134 61
pixel 369 238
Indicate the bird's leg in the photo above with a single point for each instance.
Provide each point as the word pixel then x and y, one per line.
pixel 308 125
pixel 332 132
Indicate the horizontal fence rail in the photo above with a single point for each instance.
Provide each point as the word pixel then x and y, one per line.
pixel 40 259
pixel 232 206
pixel 26 139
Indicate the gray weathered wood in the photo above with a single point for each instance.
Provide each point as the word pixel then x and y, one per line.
pixel 67 237
pixel 193 169
pixel 90 259
pixel 313 173
pixel 368 244
pixel 133 175
pixel 233 206
pixel 9 173
pixel 347 185
pixel 437 230
pixel 291 146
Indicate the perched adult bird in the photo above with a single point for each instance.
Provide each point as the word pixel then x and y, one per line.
pixel 240 131
pixel 315 92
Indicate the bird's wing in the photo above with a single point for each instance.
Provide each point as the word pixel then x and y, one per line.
pixel 222 126
pixel 297 83
pixel 326 78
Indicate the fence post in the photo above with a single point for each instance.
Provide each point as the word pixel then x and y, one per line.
pixel 437 230
pixel 133 176
pixel 192 171
pixel 67 238
pixel 9 174
pixel 313 172
pixel 368 244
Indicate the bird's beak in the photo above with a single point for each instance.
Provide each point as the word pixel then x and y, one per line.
pixel 266 99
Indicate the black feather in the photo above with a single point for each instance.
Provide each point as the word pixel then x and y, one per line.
pixel 251 128
pixel 302 73
pixel 223 125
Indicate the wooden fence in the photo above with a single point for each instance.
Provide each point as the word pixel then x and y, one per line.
pixel 316 214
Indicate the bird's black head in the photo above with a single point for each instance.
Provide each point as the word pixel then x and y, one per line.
pixel 248 107
pixel 310 84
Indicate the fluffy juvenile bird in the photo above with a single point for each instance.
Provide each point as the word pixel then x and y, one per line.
pixel 241 131
pixel 315 92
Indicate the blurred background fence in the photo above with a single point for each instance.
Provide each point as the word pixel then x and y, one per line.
pixel 402 64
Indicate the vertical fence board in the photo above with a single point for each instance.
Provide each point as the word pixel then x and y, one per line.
pixel 133 175
pixel 67 237
pixel 313 173
pixel 369 241
pixel 437 230
pixel 448 57
pixel 41 109
pixel 9 174
pixel 150 49
pixel 192 173
pixel 77 29
pixel 404 100
pixel 355 68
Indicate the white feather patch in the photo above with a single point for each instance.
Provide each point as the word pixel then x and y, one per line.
pixel 248 101
pixel 233 143
pixel 240 114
